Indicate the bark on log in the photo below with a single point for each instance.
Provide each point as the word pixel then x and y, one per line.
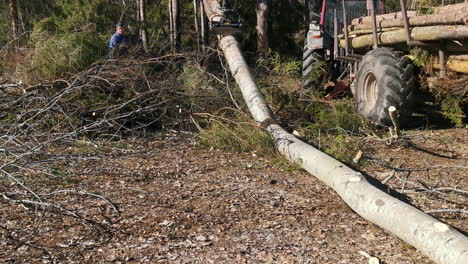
pixel 368 19
pixel 357 33
pixel 459 57
pixel 213 10
pixel 418 33
pixel 448 8
pixel 450 18
pixel 442 243
pixel 454 65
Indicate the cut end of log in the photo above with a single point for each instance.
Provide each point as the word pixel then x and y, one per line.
pixel 358 157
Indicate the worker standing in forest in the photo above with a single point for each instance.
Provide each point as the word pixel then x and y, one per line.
pixel 118 44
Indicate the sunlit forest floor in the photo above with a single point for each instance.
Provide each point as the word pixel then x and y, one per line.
pixel 165 200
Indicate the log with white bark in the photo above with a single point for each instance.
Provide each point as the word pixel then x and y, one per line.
pixel 438 241
pixel 368 19
pixel 429 33
pixel 449 8
pixel 449 18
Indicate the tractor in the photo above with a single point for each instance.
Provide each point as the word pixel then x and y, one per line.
pixel 379 77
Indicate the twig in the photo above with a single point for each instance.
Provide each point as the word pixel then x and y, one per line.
pixel 114 206
pixel 461 211
pixel 389 177
pixel 226 72
pixel 392 111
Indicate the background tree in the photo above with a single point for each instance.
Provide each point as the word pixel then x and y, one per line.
pixel 262 27
pixel 14 17
pixel 142 19
pixel 174 24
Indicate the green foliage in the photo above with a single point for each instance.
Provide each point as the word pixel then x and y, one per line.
pixel 420 57
pixel 77 14
pixel 58 55
pixel 339 116
pixel 45 27
pixel 278 65
pixel 452 110
pixel 332 128
pixel 285 67
pixel 236 136
pixel 193 77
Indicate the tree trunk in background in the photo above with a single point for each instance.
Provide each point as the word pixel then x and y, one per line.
pixel 262 27
pixel 174 15
pixel 14 17
pixel 203 25
pixel 195 18
pixel 142 19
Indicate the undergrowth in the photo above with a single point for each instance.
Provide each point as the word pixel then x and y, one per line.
pixel 237 134
pixel 332 126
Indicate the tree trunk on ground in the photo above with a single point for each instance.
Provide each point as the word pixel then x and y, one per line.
pixel 14 17
pixel 418 33
pixel 142 19
pixel 262 28
pixel 450 18
pixel 440 242
pixel 449 8
pixel 174 20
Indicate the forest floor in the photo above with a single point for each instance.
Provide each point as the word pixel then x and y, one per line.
pixel 169 201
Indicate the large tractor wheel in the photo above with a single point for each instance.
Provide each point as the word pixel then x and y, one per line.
pixel 310 60
pixel 385 78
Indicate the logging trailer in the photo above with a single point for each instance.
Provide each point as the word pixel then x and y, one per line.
pixel 368 52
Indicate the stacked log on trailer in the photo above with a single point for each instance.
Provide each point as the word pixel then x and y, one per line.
pixel 445 29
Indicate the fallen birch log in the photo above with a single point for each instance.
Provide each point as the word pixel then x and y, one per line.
pixel 442 243
pixel 450 18
pixel 449 8
pixel 368 19
pixel 430 33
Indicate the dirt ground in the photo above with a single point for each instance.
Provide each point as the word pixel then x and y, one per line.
pixel 164 200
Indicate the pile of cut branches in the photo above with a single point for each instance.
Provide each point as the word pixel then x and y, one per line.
pixel 109 100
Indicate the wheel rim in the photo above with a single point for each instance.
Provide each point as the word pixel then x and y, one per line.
pixel 370 91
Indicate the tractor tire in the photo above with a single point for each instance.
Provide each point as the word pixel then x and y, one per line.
pixel 310 58
pixel 385 78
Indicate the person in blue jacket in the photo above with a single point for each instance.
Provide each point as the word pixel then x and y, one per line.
pixel 118 44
